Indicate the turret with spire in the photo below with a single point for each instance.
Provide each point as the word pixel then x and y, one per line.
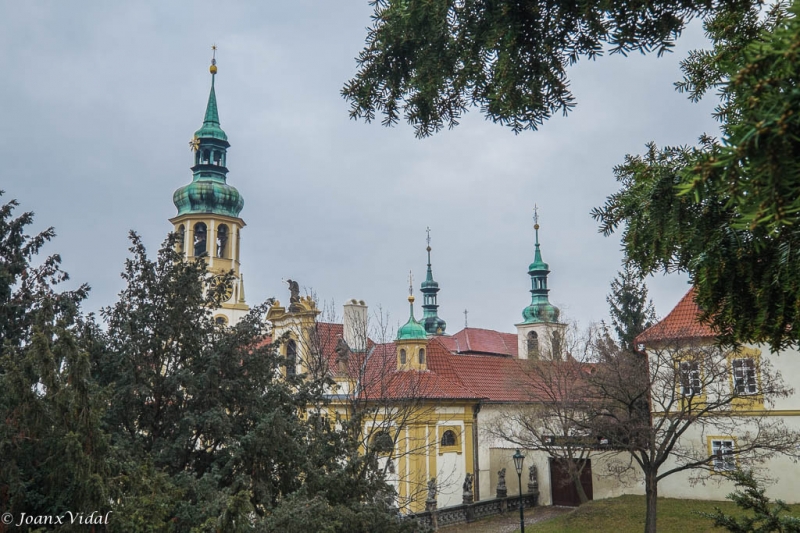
pixel 430 318
pixel 207 224
pixel 540 309
pixel 539 334
pixel 412 339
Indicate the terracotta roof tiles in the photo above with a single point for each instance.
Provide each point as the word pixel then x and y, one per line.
pixel 681 323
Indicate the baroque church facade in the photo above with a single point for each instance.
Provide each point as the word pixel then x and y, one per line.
pixel 430 395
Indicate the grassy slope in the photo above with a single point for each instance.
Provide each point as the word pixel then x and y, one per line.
pixel 626 514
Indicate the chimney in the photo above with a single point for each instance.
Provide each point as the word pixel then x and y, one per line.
pixel 355 325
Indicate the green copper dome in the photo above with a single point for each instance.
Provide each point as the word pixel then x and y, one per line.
pixel 209 192
pixel 540 309
pixel 208 196
pixel 411 330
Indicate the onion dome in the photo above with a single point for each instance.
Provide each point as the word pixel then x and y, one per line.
pixel 540 309
pixel 209 192
pixel 411 330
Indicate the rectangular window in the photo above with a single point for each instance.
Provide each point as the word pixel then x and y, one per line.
pixel 690 379
pixel 744 376
pixel 724 460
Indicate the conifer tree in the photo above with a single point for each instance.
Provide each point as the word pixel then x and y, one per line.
pixel 54 452
pixel 631 311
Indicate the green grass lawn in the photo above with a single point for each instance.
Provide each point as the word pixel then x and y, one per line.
pixel 626 514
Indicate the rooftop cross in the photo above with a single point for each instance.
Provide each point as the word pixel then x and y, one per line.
pixel 536 214
pixel 410 283
pixel 465 317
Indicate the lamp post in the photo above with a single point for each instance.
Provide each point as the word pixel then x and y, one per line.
pixel 518 458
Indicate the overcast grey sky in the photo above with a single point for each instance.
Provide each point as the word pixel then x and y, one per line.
pixel 100 100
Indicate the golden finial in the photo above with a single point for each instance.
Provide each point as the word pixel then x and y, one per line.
pixel 213 68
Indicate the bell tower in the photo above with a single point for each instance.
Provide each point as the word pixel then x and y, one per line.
pixel 540 335
pixel 208 223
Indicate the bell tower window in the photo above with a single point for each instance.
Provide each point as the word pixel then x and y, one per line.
pixel 180 238
pixel 200 248
pixel 533 345
pixel 206 156
pixel 217 158
pixel 556 346
pixel 222 241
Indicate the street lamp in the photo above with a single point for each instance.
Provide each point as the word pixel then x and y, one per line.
pixel 518 458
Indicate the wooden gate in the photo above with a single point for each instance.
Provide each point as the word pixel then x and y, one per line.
pixel 561 486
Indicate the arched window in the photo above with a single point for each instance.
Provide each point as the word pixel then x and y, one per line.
pixel 382 442
pixel 533 345
pixel 206 156
pixel 180 239
pixel 291 358
pixel 422 356
pixel 402 357
pixel 222 241
pixel 556 346
pixel 200 248
pixel 217 158
pixel 221 320
pixel 449 438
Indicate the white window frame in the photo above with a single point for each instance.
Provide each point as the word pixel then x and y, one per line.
pixel 723 457
pixel 745 378
pixel 690 375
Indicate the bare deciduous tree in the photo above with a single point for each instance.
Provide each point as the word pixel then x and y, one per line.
pixel 655 407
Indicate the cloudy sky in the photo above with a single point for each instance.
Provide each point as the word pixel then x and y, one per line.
pixel 100 100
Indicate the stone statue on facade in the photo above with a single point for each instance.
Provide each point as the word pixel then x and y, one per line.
pixel 533 481
pixel 467 486
pixel 502 490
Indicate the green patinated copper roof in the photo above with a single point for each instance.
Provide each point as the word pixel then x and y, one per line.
pixel 411 330
pixel 209 192
pixel 211 128
pixel 431 321
pixel 540 309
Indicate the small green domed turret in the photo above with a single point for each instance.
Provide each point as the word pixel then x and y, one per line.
pixel 411 330
pixel 540 309
pixel 433 324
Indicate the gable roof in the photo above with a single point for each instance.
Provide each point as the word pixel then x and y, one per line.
pixel 682 323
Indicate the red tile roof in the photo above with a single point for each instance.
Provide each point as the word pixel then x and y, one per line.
pixel 382 380
pixel 681 323
pixel 482 341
